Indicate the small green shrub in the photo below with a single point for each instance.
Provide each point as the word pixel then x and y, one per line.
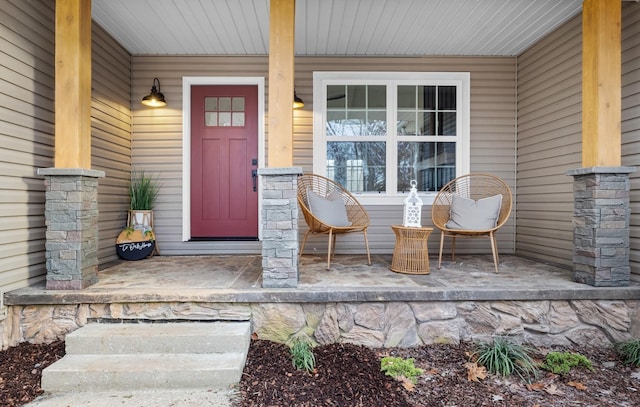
pixel 562 362
pixel 302 355
pixel 398 367
pixel 629 352
pixel 505 358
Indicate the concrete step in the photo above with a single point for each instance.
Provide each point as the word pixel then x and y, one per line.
pixel 146 356
pixel 170 337
pixel 79 373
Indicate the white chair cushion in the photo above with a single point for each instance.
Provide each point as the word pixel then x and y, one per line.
pixel 468 214
pixel 329 210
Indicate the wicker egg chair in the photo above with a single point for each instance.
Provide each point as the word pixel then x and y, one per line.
pixel 357 216
pixel 475 186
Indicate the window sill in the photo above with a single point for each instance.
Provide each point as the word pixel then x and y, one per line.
pixel 371 200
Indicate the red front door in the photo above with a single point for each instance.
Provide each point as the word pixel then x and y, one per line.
pixel 224 158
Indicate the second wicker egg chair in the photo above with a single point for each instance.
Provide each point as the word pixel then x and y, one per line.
pixel 475 186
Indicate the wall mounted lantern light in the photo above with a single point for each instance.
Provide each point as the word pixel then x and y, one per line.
pixel 155 98
pixel 297 102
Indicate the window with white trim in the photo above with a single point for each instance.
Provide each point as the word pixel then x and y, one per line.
pixel 374 132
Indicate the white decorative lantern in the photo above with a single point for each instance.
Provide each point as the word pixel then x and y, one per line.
pixel 412 208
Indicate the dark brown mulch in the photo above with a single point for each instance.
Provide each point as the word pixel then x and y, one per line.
pixel 346 375
pixel 349 375
pixel 446 383
pixel 20 371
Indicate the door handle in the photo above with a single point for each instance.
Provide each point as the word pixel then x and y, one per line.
pixel 254 175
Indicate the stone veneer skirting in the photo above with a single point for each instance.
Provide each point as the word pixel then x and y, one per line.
pixel 375 324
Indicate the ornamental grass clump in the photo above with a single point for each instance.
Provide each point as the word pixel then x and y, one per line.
pixel 302 355
pixel 143 191
pixel 562 362
pixel 503 357
pixel 629 351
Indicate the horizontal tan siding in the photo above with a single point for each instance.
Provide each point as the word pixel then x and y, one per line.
pixel 27 83
pixel 110 137
pixel 492 137
pixel 631 120
pixel 550 140
pixel 26 136
pixel 549 144
pixel 157 139
pixel 157 135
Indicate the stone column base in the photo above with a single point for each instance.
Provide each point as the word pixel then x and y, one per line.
pixel 280 227
pixel 71 215
pixel 601 226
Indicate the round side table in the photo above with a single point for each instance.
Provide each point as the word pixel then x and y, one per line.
pixel 411 254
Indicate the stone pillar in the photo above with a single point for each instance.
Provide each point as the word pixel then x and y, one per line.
pixel 601 226
pixel 279 227
pixel 71 215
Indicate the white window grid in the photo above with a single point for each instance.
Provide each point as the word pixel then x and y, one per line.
pixel 391 80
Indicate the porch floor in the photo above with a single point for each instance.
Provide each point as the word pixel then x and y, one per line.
pixel 237 278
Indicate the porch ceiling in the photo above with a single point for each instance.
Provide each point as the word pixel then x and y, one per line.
pixel 334 27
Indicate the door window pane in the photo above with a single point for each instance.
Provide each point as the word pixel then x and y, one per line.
pixel 224 104
pixel 210 104
pixel 237 104
pixel 211 118
pixel 224 119
pixel 224 111
pixel 237 119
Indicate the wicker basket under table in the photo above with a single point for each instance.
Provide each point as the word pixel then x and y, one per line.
pixel 411 254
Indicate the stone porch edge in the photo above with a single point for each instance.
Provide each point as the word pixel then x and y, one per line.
pixel 40 296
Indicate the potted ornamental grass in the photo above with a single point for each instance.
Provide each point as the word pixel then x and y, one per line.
pixel 143 192
pixel 137 241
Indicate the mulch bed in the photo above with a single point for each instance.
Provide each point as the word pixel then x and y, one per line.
pixel 346 375
pixel 20 371
pixel 349 375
